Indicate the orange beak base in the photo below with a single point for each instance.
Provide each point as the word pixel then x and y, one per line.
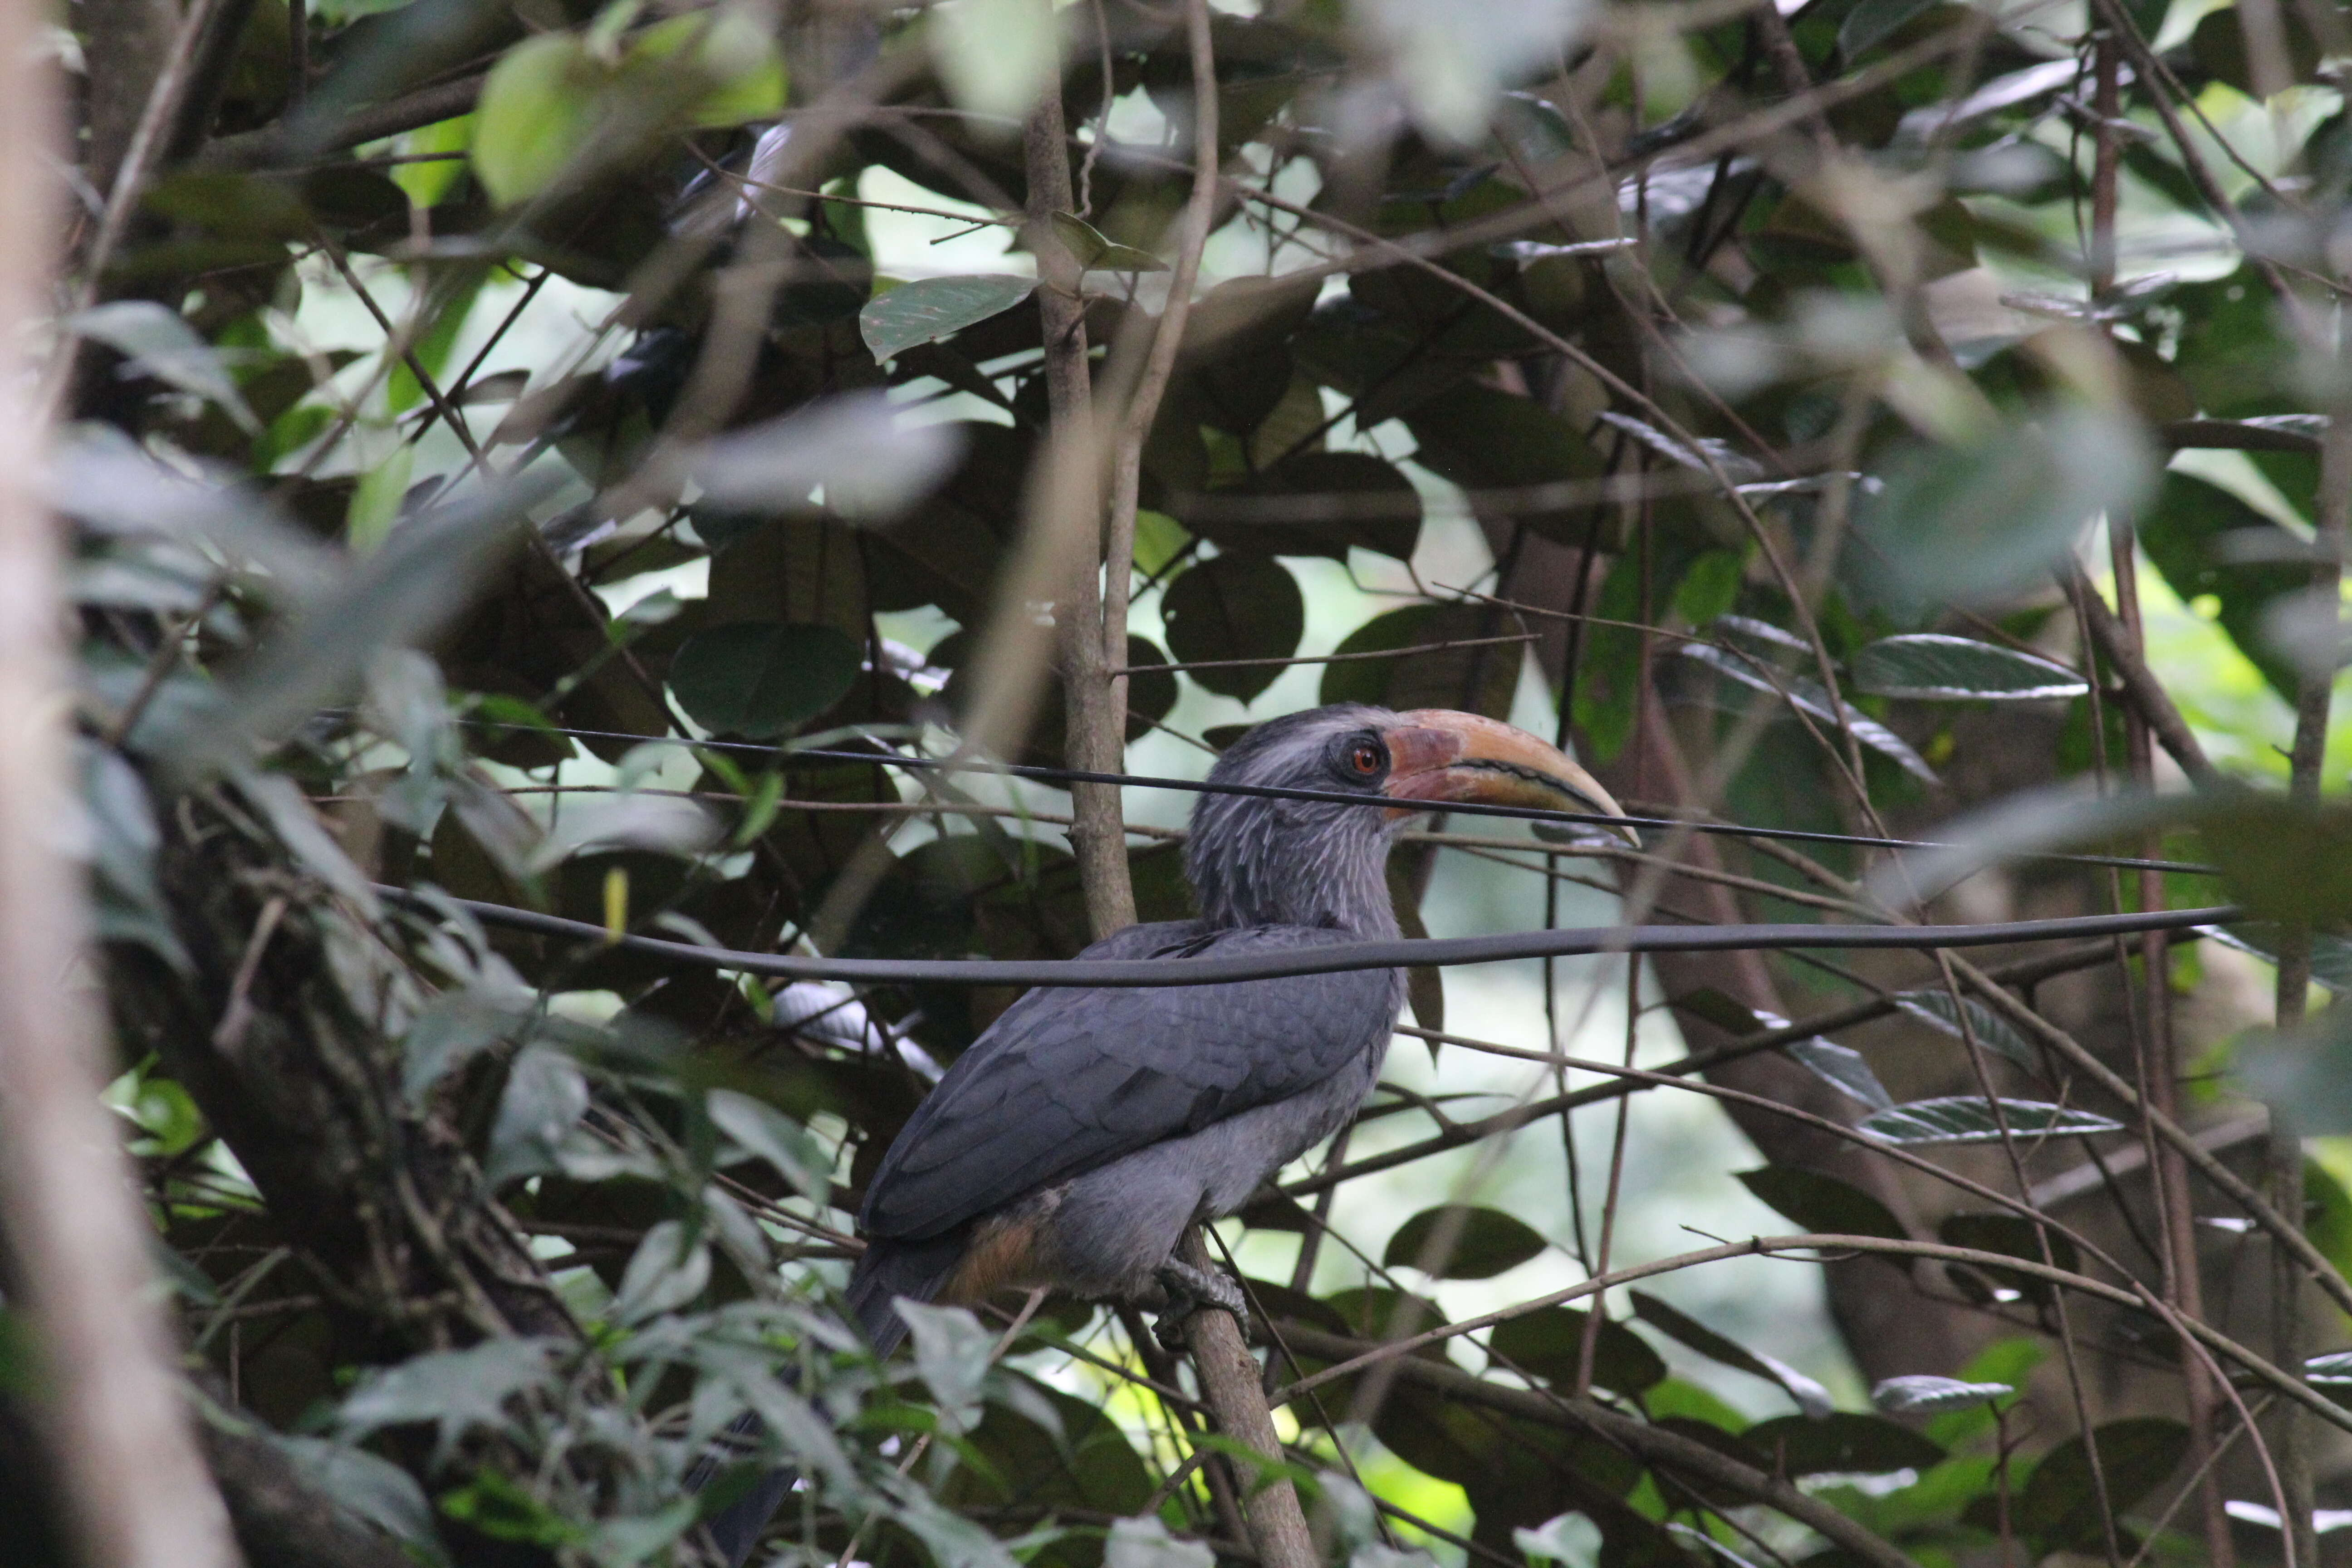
pixel 1438 756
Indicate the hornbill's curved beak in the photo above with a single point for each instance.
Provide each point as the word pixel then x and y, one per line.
pixel 1437 755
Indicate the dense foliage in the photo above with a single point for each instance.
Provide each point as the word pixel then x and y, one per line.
pixel 557 457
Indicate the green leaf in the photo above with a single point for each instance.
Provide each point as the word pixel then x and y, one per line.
pixel 1378 1312
pixel 930 309
pixel 762 679
pixel 1993 1032
pixel 1546 1343
pixel 1930 665
pixel 951 1352
pixel 536 108
pixel 1843 1068
pixel 1481 439
pixel 993 55
pixel 2058 1508
pixel 1234 606
pixel 505 1509
pixel 1822 1204
pixel 1481 679
pixel 427 184
pixel 1840 1067
pixel 1096 254
pixel 769 1133
pixel 545 1098
pixel 368 1487
pixel 457 1391
pixel 158 342
pixel 548 98
pixel 2017 1237
pixel 1966 1119
pixel 1974 523
pixel 872 465
pixel 1571 1538
pixel 1488 1242
pixel 1801 691
pixel 1842 1443
pixel 1922 1394
pixel 451 1030
pixel 2204 539
pixel 1331 502
pixel 735 55
pixel 403 593
pixel 668 1270
pixel 1811 1396
pixel 1145 1542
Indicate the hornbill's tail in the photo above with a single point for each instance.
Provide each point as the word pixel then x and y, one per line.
pixel 887 1271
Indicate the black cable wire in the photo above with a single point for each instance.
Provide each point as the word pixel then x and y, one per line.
pixel 1332 797
pixel 1336 958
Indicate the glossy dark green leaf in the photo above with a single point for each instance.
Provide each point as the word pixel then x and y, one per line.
pixel 1923 1393
pixel 1481 679
pixel 1972 524
pixel 1840 1067
pixel 1843 1443
pixel 1484 439
pixel 2018 1237
pixel 1843 1068
pixel 1485 1242
pixel 1807 695
pixel 1349 499
pixel 1234 608
pixel 930 309
pixel 1676 1324
pixel 762 679
pixel 1968 1118
pixel 1377 1312
pixel 1822 1205
pixel 2058 1508
pixel 1931 666
pixel 1992 1032
pixel 1547 1343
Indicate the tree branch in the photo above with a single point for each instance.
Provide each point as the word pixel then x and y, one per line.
pixel 1167 339
pixel 1092 724
pixel 1231 1388
pixel 138 1494
pixel 1655 1445
pixel 2147 696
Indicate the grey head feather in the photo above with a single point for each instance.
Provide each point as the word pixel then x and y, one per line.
pixel 1258 862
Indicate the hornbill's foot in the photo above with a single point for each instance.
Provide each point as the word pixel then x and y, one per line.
pixel 1190 1289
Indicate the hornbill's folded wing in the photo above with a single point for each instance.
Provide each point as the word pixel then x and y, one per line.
pixel 1067 1081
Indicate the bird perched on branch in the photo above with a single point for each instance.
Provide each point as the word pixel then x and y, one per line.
pixel 1073 1143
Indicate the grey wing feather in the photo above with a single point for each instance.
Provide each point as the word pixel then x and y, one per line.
pixel 1067 1081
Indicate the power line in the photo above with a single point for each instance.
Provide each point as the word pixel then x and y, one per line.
pixel 1331 798
pixel 1332 959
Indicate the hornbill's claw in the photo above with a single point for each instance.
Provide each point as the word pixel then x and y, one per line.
pixel 1190 1289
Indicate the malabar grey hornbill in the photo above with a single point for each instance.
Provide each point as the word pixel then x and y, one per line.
pixel 1073 1143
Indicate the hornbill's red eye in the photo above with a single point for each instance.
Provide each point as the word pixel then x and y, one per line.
pixel 1365 758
